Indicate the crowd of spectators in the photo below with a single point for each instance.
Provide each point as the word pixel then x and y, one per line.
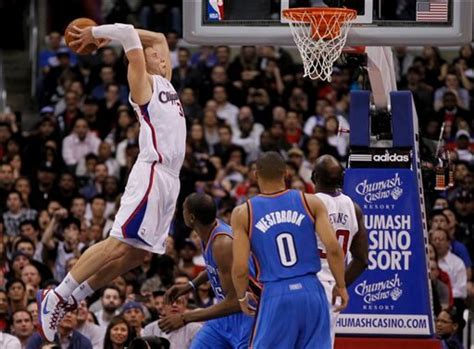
pixel 60 183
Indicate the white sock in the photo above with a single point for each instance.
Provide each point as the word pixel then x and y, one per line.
pixel 82 292
pixel 66 287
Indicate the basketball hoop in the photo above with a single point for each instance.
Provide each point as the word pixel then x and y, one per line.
pixel 320 34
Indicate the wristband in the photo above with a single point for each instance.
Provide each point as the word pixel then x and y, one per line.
pixel 193 286
pixel 123 33
pixel 244 298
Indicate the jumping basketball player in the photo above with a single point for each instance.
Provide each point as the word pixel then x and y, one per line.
pixel 226 326
pixel 278 226
pixel 148 203
pixel 347 221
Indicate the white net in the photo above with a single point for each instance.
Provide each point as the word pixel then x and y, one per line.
pixel 320 37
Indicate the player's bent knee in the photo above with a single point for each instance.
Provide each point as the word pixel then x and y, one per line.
pixel 116 248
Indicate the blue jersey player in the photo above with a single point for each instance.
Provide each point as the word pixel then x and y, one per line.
pixel 278 227
pixel 226 326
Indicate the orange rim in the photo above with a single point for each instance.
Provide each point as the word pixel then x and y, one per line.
pixel 325 22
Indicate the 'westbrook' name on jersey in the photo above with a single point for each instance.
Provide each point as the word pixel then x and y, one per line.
pixel 278 217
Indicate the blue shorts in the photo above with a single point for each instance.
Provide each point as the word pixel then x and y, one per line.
pixel 232 331
pixel 292 313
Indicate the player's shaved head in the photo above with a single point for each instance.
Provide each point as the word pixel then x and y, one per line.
pixel 271 166
pixel 328 173
pixel 202 207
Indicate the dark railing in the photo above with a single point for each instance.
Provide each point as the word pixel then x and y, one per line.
pixel 33 43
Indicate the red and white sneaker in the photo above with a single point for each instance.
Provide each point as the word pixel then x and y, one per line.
pixel 51 308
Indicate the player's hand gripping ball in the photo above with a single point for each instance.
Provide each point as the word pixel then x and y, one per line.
pixel 75 43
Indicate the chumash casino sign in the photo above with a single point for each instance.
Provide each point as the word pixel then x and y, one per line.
pixel 386 183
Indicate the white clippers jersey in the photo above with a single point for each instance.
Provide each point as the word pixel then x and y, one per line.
pixel 343 219
pixel 162 126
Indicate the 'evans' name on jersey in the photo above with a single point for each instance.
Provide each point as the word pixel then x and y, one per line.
pixel 278 217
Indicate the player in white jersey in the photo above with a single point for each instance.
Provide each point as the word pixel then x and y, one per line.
pixel 147 206
pixel 347 221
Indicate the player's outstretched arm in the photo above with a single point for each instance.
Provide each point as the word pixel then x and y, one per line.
pixel 177 291
pixel 138 78
pixel 159 43
pixel 359 250
pixel 334 253
pixel 222 252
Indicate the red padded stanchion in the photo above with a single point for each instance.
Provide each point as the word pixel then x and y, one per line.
pixel 386 343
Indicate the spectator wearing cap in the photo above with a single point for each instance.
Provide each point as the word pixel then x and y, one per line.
pixel 79 143
pixel 88 329
pixel 66 337
pixel 180 338
pixel 133 313
pixel 186 262
pixel 64 68
pixel 16 291
pixel 449 326
pixel 16 213
pixel 22 326
pixel 247 135
pixel 463 147
pixel 45 189
pixel 464 206
pixel 30 249
pixel 47 56
pixel 47 111
pixel 18 261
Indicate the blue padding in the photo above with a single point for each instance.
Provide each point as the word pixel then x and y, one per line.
pixel 402 118
pixel 359 119
pixel 133 224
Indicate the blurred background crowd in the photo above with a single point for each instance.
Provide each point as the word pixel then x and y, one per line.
pixel 60 182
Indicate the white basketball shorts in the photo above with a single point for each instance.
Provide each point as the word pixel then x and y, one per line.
pixel 147 207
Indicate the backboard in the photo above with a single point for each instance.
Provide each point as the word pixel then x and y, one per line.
pixel 379 22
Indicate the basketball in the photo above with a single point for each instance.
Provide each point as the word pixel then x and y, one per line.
pixel 80 23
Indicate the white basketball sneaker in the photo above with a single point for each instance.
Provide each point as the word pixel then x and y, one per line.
pixel 51 308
